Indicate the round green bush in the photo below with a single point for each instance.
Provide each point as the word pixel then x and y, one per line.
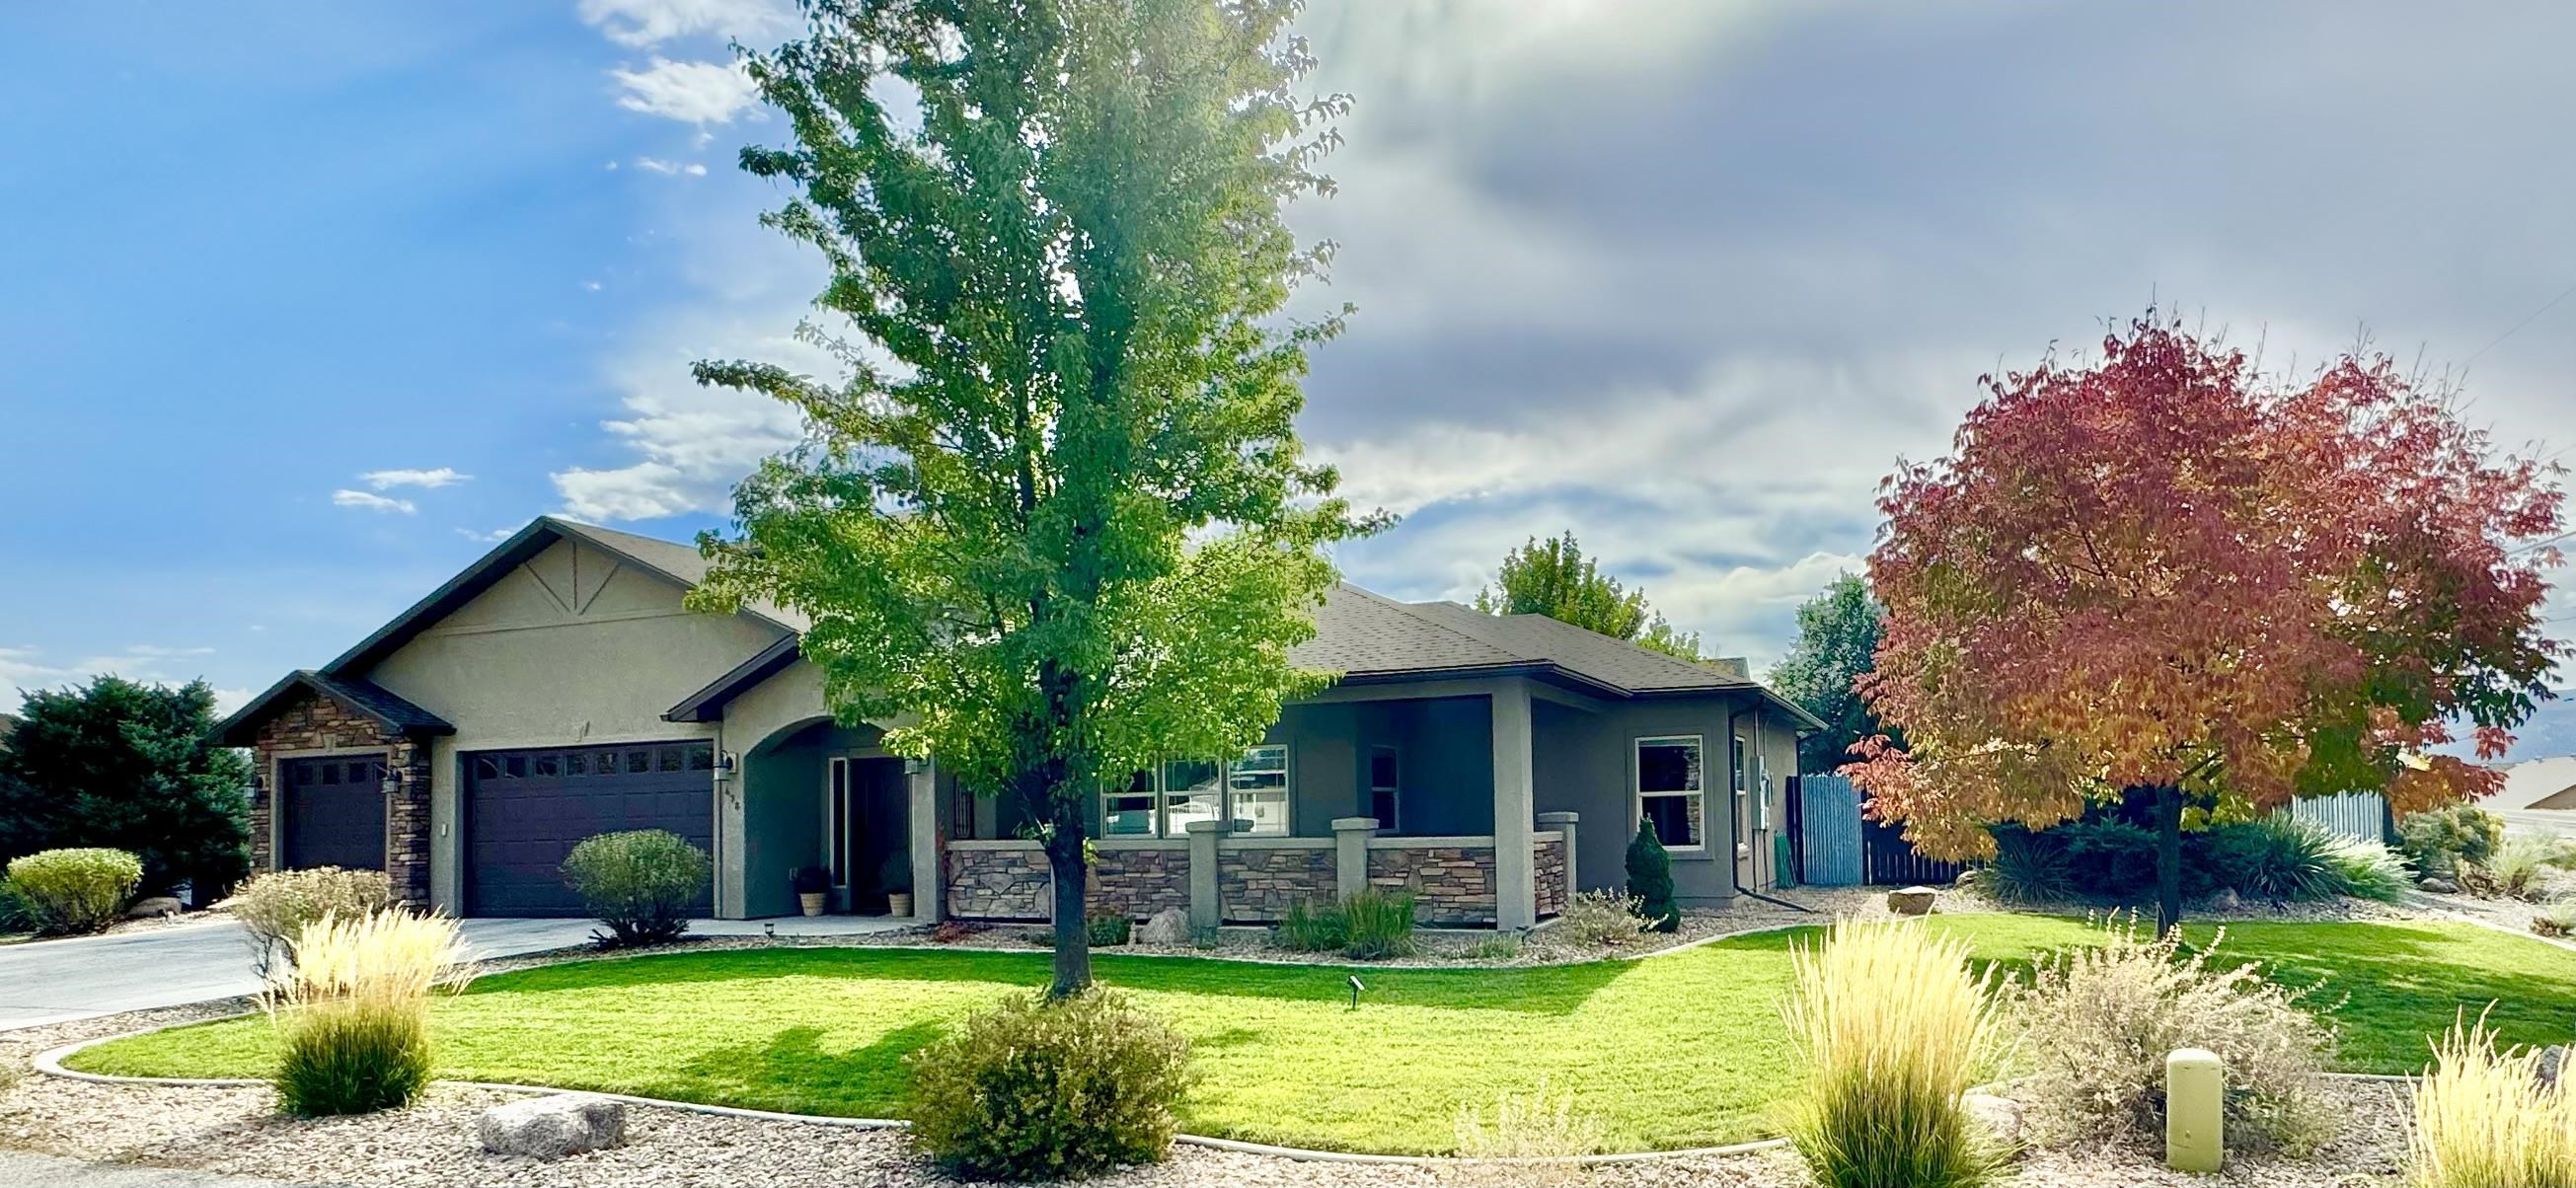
pixel 641 884
pixel 1039 1090
pixel 63 892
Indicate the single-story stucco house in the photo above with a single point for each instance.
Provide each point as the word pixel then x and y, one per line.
pixel 557 688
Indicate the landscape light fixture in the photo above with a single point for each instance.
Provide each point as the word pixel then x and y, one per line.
pixel 1356 987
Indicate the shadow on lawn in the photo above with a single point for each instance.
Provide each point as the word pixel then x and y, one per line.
pixel 1545 990
pixel 791 1070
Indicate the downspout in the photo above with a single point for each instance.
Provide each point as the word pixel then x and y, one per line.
pixel 1735 873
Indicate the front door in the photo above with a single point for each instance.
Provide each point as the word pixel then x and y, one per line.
pixel 869 830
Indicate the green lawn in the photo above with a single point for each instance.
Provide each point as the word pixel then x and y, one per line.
pixel 1674 1051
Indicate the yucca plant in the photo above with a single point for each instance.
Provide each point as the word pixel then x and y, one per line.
pixel 1892 1026
pixel 2484 1120
pixel 352 1013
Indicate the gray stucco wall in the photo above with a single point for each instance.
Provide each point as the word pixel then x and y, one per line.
pixel 1448 765
pixel 573 647
pixel 1586 764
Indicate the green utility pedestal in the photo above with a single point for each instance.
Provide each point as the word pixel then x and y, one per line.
pixel 2195 1110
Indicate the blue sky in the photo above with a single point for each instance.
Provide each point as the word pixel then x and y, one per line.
pixel 304 302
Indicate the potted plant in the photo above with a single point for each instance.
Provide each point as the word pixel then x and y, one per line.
pixel 813 888
pixel 896 877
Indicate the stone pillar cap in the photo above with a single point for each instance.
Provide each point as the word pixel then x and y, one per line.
pixel 1345 824
pixel 1210 826
pixel 1559 818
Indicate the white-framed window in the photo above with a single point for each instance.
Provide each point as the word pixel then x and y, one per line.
pixel 1671 791
pixel 1251 791
pixel 1386 796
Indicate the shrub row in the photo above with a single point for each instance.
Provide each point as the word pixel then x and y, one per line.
pixel 2105 857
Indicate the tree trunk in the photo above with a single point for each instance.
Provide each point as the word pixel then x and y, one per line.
pixel 2168 859
pixel 1072 919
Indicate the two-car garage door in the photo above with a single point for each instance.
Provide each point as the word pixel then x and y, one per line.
pixel 525 810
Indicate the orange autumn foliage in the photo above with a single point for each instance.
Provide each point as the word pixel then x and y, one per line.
pixel 2161 568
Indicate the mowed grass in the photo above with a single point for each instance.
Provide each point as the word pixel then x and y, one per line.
pixel 1675 1051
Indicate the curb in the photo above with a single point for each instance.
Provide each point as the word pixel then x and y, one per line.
pixel 50 1063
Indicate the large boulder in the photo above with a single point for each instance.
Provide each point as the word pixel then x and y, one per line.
pixel 2438 885
pixel 2001 1116
pixel 1912 901
pixel 553 1126
pixel 152 907
pixel 1169 927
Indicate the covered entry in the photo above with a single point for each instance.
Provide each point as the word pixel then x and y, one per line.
pixel 525 810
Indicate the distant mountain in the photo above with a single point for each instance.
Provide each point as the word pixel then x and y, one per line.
pixel 2549 734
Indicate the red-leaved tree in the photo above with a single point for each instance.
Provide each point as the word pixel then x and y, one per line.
pixel 2161 572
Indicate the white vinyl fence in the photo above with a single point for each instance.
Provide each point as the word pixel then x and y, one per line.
pixel 2358 815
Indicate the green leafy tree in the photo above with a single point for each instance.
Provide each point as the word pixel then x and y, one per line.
pixel 1554 578
pixel 1838 634
pixel 133 767
pixel 1055 521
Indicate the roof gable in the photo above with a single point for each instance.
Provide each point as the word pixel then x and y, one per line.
pixel 677 563
pixel 396 715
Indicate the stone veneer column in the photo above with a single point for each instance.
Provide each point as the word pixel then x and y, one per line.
pixel 1207 909
pixel 1515 867
pixel 1350 854
pixel 1564 823
pixel 929 874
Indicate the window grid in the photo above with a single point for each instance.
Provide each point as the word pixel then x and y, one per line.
pixel 1251 791
pixel 1671 790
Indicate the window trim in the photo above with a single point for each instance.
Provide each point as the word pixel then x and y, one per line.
pixel 1637 794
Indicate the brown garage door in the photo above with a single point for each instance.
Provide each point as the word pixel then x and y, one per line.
pixel 334 808
pixel 525 810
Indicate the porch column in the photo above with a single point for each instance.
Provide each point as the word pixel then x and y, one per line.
pixel 1515 869
pixel 732 833
pixel 929 874
pixel 1565 823
pixel 1206 909
pixel 1350 853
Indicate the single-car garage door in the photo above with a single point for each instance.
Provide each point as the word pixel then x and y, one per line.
pixel 525 810
pixel 334 808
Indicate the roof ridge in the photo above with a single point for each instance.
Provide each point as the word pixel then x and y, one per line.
pixel 1413 611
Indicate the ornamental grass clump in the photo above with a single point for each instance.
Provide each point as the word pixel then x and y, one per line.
pixel 2095 1022
pixel 352 1014
pixel 1379 923
pixel 2483 1119
pixel 1892 1026
pixel 1529 1140
pixel 1049 1090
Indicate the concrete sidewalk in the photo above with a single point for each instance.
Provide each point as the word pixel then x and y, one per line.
pixel 20 1170
pixel 166 965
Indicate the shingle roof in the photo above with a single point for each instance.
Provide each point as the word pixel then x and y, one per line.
pixel 366 697
pixel 1363 634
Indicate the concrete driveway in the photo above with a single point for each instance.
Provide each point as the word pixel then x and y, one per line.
pixel 57 981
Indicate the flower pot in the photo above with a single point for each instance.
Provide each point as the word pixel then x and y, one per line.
pixel 898 903
pixel 812 902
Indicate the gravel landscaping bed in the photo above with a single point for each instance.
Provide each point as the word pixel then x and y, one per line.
pixel 238 1131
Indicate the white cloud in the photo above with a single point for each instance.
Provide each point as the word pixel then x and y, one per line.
pixel 647 23
pixel 26 668
pixel 387 479
pixel 691 92
pixel 670 168
pixel 495 536
pixel 361 499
